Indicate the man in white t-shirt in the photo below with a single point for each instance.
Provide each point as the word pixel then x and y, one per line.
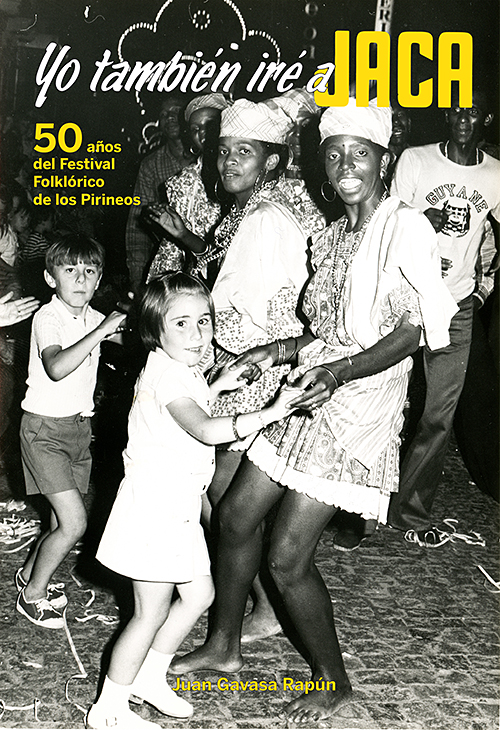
pixel 457 186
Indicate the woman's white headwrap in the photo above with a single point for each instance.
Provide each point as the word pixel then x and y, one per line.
pixel 369 122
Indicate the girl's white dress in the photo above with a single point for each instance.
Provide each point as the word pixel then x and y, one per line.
pixel 153 532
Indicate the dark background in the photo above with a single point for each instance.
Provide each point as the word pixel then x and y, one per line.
pixel 90 27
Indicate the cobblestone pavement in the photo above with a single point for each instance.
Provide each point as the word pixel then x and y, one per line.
pixel 419 629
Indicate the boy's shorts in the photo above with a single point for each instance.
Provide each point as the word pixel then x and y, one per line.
pixel 55 453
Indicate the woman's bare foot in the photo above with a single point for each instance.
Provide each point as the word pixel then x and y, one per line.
pixel 318 704
pixel 257 625
pixel 207 657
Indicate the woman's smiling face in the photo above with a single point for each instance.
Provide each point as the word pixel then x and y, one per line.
pixel 353 166
pixel 240 162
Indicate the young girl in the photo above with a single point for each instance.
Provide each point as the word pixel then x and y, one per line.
pixel 153 534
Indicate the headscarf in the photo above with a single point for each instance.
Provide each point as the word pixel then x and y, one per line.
pixel 295 103
pixel 251 120
pixel 205 101
pixel 369 122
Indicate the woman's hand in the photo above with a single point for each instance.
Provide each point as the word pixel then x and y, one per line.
pixel 318 385
pixel 257 360
pixel 169 220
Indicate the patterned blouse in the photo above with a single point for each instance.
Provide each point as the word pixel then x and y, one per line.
pixel 186 194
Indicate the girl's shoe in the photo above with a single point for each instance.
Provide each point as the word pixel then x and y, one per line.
pixel 100 718
pixel 161 696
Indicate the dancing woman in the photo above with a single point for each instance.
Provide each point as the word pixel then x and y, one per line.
pixel 377 286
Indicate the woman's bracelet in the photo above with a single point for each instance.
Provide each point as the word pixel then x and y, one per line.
pixel 349 360
pixel 281 352
pixel 337 384
pixel 294 351
pixel 233 424
pixel 282 356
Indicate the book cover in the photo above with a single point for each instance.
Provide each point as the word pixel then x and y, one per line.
pixel 81 84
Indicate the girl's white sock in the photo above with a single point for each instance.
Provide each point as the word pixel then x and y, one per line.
pixel 114 695
pixel 158 663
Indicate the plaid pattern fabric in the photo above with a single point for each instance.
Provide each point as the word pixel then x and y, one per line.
pixel 248 120
pixel 206 101
pixel 295 103
pixel 485 272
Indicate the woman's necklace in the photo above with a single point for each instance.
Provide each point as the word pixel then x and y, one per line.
pixel 446 154
pixel 342 258
pixel 228 228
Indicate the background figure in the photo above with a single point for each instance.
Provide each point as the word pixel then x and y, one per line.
pixel 477 418
pixel 154 170
pixel 456 185
pixel 31 259
pixel 300 106
pixel 191 193
pixel 400 137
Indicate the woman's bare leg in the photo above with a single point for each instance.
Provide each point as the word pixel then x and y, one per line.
pixel 238 560
pixel 261 622
pixel 298 527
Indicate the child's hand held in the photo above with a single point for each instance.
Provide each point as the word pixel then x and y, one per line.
pixel 281 407
pixel 231 379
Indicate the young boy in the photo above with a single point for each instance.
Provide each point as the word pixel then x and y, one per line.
pixel 55 427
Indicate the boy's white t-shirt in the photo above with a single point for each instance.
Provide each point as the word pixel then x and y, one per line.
pixel 54 324
pixel 425 178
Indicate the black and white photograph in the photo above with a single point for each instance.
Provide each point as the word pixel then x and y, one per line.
pixel 249 364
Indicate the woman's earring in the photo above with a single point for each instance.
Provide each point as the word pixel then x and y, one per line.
pixel 216 191
pixel 383 172
pixel 328 200
pixel 260 180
